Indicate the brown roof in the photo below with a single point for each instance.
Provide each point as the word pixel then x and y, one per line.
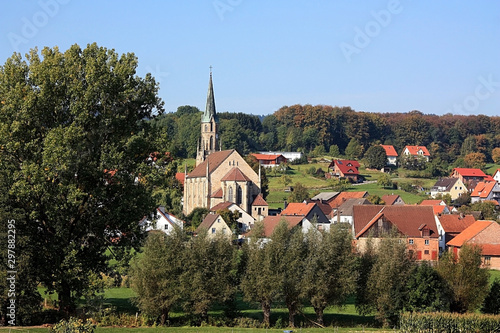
pixel 259 201
pixel 236 175
pixel 345 209
pixel 454 223
pixel 389 199
pixel 207 222
pixel 480 232
pixel 214 160
pixel 271 222
pixel 221 206
pixel 217 193
pixel 343 196
pixel 408 219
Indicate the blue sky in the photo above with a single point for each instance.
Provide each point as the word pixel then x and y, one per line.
pixel 378 56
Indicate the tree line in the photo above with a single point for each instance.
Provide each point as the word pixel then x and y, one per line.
pixel 296 269
pixel 323 129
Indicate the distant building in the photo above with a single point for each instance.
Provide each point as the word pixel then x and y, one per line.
pixel 345 169
pixel 452 186
pixel 214 225
pixel 161 220
pixel 417 151
pixel 270 160
pixel 393 199
pixel 391 154
pixel 290 156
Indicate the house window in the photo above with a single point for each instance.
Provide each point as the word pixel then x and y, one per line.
pixel 487 260
pixel 166 226
pixel 426 242
pixel 223 231
pixel 213 230
pixel 410 241
pixel 258 211
pixel 426 252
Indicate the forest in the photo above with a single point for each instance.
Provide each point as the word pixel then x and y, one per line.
pixel 316 130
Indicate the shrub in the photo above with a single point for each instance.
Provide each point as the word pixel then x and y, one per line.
pixel 73 325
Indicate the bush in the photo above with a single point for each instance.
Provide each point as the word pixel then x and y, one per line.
pixel 73 325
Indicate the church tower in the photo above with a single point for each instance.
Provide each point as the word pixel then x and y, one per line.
pixel 209 141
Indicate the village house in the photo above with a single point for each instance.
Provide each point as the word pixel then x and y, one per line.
pixel 452 186
pixel 438 206
pixel 270 160
pixel 416 151
pixel 345 169
pixel 468 175
pixel 392 155
pixel 344 213
pixel 486 191
pixel 485 234
pixel 454 224
pixel 245 220
pixel 289 155
pixel 392 199
pixel 161 220
pixel 343 196
pixel 271 222
pixel 310 211
pixel 415 224
pixel 496 176
pixel 214 225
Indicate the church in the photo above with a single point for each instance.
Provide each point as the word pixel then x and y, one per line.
pixel 221 175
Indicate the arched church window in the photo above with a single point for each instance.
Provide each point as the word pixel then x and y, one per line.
pixel 211 142
pixel 239 195
pixel 211 127
pixel 230 194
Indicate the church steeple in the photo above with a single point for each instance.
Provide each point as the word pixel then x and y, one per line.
pixel 210 112
pixel 209 141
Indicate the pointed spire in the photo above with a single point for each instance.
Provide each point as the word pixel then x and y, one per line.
pixel 210 107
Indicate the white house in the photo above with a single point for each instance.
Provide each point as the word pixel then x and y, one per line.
pixel 290 156
pixel 496 176
pixel 163 221
pixel 245 221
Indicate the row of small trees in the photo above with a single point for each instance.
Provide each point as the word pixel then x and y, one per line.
pixel 320 269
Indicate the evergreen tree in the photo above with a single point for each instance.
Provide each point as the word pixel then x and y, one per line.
pixel 492 301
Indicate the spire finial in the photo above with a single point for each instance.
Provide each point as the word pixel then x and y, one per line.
pixel 210 70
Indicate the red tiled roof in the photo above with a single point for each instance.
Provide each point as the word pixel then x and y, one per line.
pixel 221 206
pixel 214 160
pixel 489 178
pixel 297 208
pixel 431 202
pixel 438 209
pixel 259 201
pixel 271 222
pixel 217 193
pixel 454 223
pixel 180 177
pixel 483 189
pixel 413 150
pixel 389 150
pixel 470 232
pixel 389 199
pixel 236 175
pixel 343 196
pixel 267 157
pixel 407 219
pixel 490 249
pixel 469 172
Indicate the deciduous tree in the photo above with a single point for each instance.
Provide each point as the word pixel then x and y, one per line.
pixel 375 157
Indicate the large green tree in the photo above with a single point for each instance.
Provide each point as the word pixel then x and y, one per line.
pixel 75 158
pixel 375 157
pixel 156 274
pixel 329 269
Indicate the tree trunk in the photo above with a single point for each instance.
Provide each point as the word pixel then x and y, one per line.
pixel 65 302
pixel 164 316
pixel 292 310
pixel 319 315
pixel 266 309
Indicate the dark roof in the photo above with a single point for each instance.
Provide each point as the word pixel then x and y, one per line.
pixel 214 160
pixel 207 222
pixel 447 183
pixel 345 209
pixel 408 219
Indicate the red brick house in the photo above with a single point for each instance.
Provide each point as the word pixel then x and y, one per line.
pixel 415 224
pixel 345 169
pixel 485 234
